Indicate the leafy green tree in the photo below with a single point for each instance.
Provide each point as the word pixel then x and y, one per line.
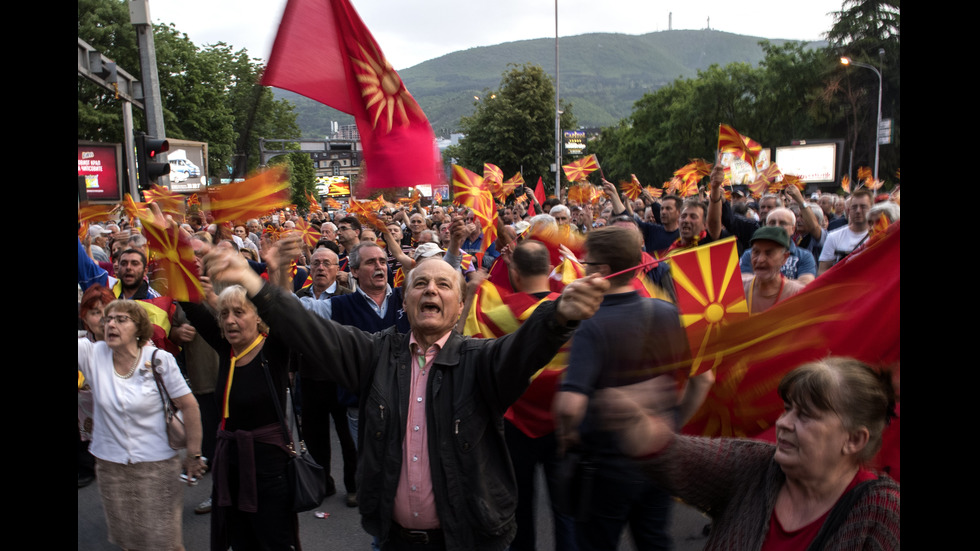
pixel 773 103
pixel 867 31
pixel 302 176
pixel 513 127
pixel 208 94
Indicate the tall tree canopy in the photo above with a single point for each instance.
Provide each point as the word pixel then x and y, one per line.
pixel 513 127
pixel 795 93
pixel 209 94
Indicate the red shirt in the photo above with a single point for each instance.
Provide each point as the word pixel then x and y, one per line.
pixel 779 539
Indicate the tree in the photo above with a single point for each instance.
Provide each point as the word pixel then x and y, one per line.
pixel 302 176
pixel 209 95
pixel 513 127
pixel 868 31
pixel 773 103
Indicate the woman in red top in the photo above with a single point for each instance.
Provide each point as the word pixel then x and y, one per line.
pixel 810 490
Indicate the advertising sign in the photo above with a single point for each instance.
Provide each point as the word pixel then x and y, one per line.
pixel 811 163
pixel 574 142
pixel 188 165
pixel 101 165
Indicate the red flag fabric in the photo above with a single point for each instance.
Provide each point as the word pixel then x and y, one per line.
pixel 324 52
pixel 175 257
pixel 853 309
pixel 470 190
pixel 708 285
pixel 729 140
pixel 255 197
pixel 539 192
pixel 581 168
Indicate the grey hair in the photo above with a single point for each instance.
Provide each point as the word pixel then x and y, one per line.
pixel 889 209
pixel 355 254
pixel 560 208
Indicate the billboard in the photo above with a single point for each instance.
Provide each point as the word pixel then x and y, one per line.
pixel 101 164
pixel 333 186
pixel 811 163
pixel 188 165
pixel 574 141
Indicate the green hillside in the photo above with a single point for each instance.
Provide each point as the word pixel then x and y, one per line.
pixel 602 74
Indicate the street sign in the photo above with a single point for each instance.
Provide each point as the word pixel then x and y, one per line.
pixel 885 132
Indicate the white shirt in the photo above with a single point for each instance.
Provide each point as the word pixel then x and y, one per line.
pixel 841 239
pixel 127 414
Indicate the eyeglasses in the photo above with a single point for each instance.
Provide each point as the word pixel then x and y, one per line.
pixel 318 263
pixel 117 318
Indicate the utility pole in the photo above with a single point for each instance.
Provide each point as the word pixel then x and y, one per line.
pixel 139 16
pixel 557 115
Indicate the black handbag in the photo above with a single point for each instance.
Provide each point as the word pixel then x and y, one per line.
pixel 176 432
pixel 307 479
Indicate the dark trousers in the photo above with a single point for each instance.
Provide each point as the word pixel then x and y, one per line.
pixel 623 495
pixel 525 454
pixel 210 419
pixel 319 403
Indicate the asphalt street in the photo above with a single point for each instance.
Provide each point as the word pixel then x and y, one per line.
pixel 342 529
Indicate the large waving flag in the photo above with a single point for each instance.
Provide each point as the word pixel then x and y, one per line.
pixel 492 173
pixel 175 257
pixel 581 168
pixel 497 311
pixel 729 140
pixel 253 198
pixel 632 189
pixel 853 309
pixel 324 52
pixel 708 285
pixel 469 190
pixel 134 209
pixel 694 170
pixel 168 201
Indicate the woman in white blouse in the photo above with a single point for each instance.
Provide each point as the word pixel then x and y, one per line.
pixel 137 470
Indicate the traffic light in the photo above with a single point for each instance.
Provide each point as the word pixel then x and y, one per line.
pixel 149 168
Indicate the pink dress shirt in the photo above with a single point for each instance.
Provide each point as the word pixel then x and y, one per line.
pixel 415 505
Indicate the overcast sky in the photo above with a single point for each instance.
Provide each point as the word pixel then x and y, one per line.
pixel 412 31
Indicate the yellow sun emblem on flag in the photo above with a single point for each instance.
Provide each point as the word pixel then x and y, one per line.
pixel 385 97
pixel 709 294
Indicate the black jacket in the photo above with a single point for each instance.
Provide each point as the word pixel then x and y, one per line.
pixel 474 382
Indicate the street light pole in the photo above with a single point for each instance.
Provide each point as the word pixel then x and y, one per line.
pixel 557 114
pixel 849 61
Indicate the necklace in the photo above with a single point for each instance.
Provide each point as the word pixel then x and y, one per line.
pixel 131 370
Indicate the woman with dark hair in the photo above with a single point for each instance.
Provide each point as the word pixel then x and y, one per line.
pixel 138 471
pixel 811 490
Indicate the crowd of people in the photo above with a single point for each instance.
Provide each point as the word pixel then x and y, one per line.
pixel 440 432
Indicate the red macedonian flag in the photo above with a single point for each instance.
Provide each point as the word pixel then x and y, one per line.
pixel 255 197
pixel 175 256
pixel 729 140
pixel 324 52
pixel 853 309
pixel 708 285
pixel 581 168
pixel 469 190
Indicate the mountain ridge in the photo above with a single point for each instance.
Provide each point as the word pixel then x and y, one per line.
pixel 601 74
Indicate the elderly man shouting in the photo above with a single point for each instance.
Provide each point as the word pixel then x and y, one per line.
pixel 433 467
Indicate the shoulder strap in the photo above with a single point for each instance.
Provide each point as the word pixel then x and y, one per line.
pixel 840 511
pixel 168 405
pixel 287 437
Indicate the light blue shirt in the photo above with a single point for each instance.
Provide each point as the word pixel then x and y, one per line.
pixel 324 308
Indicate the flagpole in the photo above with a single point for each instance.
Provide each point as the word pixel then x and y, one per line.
pixel 557 114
